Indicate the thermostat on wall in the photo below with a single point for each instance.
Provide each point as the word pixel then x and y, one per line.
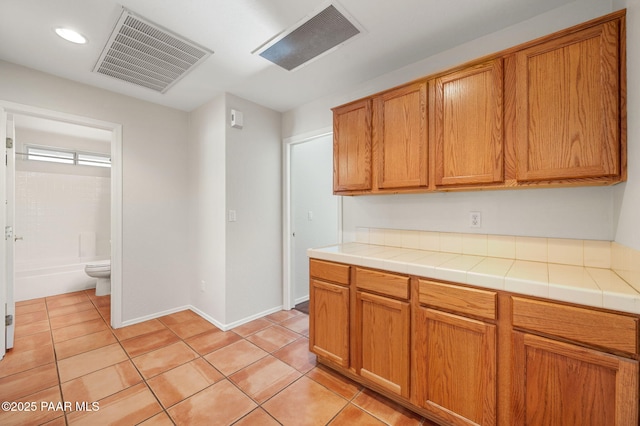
pixel 236 119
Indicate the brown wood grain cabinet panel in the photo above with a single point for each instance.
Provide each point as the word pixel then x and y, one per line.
pixel 400 137
pixel 465 300
pixel 329 321
pixel 557 383
pixel 603 329
pixel 352 147
pixel 383 283
pixel 468 124
pixel 456 364
pixel 330 271
pixel 568 106
pixel 385 338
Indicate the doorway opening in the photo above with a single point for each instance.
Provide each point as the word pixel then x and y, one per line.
pixel 30 140
pixel 312 214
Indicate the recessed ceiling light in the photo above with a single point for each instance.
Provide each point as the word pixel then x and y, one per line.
pixel 71 35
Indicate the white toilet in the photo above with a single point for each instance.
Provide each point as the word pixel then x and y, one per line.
pixel 102 271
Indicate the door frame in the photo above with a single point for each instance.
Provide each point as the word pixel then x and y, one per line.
pixel 288 300
pixel 116 189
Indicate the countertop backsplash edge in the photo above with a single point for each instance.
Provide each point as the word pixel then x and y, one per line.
pixel 606 269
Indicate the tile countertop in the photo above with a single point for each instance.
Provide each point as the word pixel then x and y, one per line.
pixel 597 287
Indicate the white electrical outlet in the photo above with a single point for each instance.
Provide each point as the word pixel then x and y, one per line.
pixel 202 285
pixel 475 220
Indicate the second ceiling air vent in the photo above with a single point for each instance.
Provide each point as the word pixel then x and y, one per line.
pixel 147 55
pixel 309 39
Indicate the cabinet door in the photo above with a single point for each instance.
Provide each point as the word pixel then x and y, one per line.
pixel 456 361
pixel 563 384
pixel 568 106
pixel 384 326
pixel 329 321
pixel 468 126
pixel 400 137
pixel 352 147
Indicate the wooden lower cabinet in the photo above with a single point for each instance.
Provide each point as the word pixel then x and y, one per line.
pixel 456 367
pixel 461 355
pixel 329 321
pixel 384 332
pixel 556 383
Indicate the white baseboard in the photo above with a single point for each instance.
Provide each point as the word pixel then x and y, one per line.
pixel 212 320
pixel 221 326
pixel 253 317
pixel 302 299
pixel 155 315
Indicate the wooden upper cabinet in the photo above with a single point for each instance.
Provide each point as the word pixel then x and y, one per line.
pixel 550 112
pixel 400 137
pixel 567 101
pixel 468 125
pixel 352 147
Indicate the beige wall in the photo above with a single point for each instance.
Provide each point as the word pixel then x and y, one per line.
pixel 155 265
pixel 235 169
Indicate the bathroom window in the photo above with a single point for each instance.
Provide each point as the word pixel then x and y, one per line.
pixel 93 159
pixel 55 155
pixel 50 154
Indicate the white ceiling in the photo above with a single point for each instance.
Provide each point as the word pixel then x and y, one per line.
pixel 397 33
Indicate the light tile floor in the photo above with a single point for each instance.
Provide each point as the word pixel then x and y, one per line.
pixel 68 366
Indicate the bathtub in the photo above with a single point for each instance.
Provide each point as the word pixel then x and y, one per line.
pixel 43 281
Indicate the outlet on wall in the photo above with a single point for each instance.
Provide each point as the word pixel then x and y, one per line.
pixel 475 220
pixel 202 285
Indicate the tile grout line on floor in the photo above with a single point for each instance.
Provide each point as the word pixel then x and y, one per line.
pixel 173 324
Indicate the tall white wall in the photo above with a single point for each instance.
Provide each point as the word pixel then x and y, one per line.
pixel 155 260
pixel 254 186
pixel 240 262
pixel 207 234
pixel 584 213
pixel 627 195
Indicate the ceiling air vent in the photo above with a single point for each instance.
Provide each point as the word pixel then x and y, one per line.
pixel 309 39
pixel 145 54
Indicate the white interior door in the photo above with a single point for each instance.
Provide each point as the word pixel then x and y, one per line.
pixel 10 237
pixel 314 209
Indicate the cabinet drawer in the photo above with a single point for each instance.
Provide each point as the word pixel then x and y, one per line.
pixel 383 283
pixel 329 271
pixel 602 329
pixel 470 301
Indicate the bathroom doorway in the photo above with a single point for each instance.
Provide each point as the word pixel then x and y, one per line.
pixel 36 133
pixel 62 205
